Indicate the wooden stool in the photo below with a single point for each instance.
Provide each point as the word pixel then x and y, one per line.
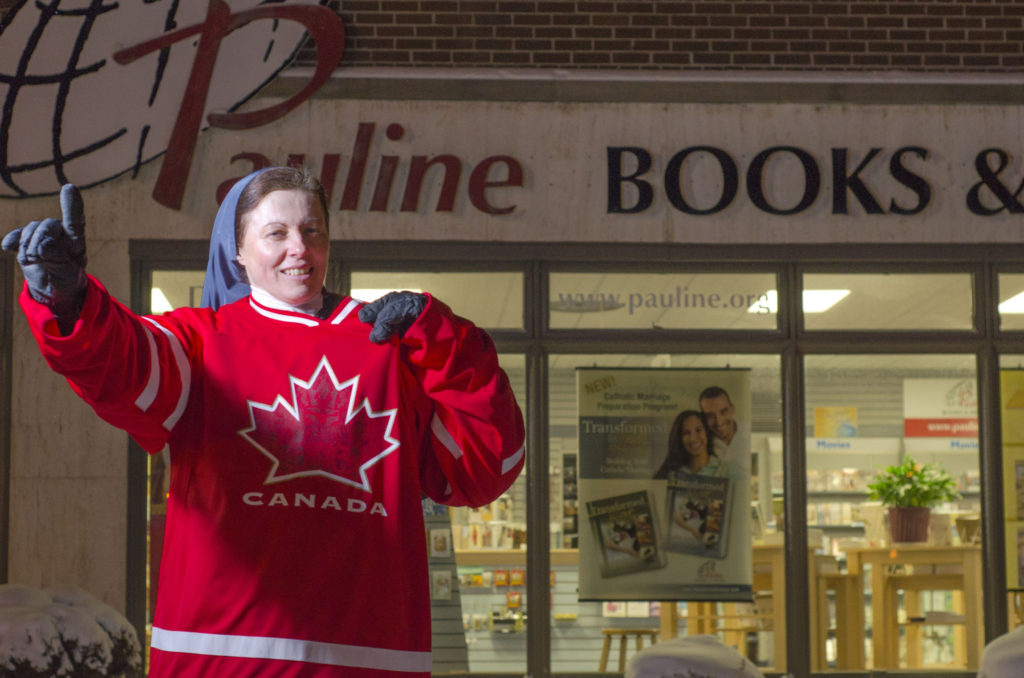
pixel 912 585
pixel 623 635
pixel 849 620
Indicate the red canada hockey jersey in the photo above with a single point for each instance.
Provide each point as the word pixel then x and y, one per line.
pixel 300 451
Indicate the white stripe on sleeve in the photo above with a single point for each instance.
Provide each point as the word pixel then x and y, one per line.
pixel 510 462
pixel 148 394
pixel 184 371
pixel 445 437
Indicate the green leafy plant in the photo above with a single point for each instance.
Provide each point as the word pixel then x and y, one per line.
pixel 913 484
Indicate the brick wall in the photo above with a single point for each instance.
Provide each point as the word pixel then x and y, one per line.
pixel 922 35
pixel 917 35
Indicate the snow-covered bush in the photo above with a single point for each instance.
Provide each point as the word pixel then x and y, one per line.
pixel 64 633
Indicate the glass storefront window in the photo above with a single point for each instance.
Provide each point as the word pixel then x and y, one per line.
pixel 888 301
pixel 491 300
pixel 500 308
pixel 480 626
pixel 626 464
pixel 921 601
pixel 490 555
pixel 695 301
pixel 862 412
pixel 176 289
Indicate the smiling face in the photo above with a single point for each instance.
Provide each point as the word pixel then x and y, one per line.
pixel 695 438
pixel 284 246
pixel 721 416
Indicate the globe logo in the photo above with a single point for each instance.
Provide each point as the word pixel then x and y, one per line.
pixel 92 89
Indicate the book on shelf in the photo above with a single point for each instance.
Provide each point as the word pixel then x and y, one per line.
pixel 698 514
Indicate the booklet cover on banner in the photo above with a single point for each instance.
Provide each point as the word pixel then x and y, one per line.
pixel 698 508
pixel 624 527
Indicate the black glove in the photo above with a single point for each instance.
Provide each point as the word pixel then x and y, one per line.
pixel 51 254
pixel 393 313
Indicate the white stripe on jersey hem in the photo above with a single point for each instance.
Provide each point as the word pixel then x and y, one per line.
pixel 148 394
pixel 308 322
pixel 183 371
pixel 349 307
pixel 511 462
pixel 445 437
pixel 290 649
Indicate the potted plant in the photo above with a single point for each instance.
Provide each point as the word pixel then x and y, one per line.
pixel 909 490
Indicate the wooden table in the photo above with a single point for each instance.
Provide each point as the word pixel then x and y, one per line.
pixel 848 590
pixel 769 561
pixel 771 577
pixel 885 645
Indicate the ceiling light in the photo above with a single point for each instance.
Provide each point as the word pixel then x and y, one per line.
pixel 1014 304
pixel 815 301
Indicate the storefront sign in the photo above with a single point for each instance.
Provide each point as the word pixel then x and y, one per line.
pixel 928 445
pixel 987 196
pixel 859 445
pixel 940 408
pixel 647 172
pixel 131 77
pixel 95 90
pixel 482 176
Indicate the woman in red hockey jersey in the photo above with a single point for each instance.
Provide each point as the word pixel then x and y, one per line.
pixel 303 430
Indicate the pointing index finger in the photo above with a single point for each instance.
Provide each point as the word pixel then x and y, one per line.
pixel 72 211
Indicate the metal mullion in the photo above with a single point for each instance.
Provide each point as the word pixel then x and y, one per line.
pixel 1008 344
pixel 990 454
pixel 616 341
pixel 511 344
pixel 898 266
pixel 538 519
pixel 137 471
pixel 881 342
pixel 797 600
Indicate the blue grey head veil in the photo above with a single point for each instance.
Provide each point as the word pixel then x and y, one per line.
pixel 225 279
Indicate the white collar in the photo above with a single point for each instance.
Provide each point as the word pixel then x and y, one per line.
pixel 270 301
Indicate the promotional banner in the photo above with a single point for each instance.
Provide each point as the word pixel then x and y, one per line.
pixel 1012 395
pixel 835 422
pixel 664 484
pixel 940 408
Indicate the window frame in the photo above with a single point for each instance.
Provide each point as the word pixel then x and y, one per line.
pixel 790 341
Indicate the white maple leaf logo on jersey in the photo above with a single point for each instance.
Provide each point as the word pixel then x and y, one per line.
pixel 322 431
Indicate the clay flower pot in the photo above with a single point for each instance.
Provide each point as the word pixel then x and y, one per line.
pixel 908 523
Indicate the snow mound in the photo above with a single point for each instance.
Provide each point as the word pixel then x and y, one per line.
pixel 64 633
